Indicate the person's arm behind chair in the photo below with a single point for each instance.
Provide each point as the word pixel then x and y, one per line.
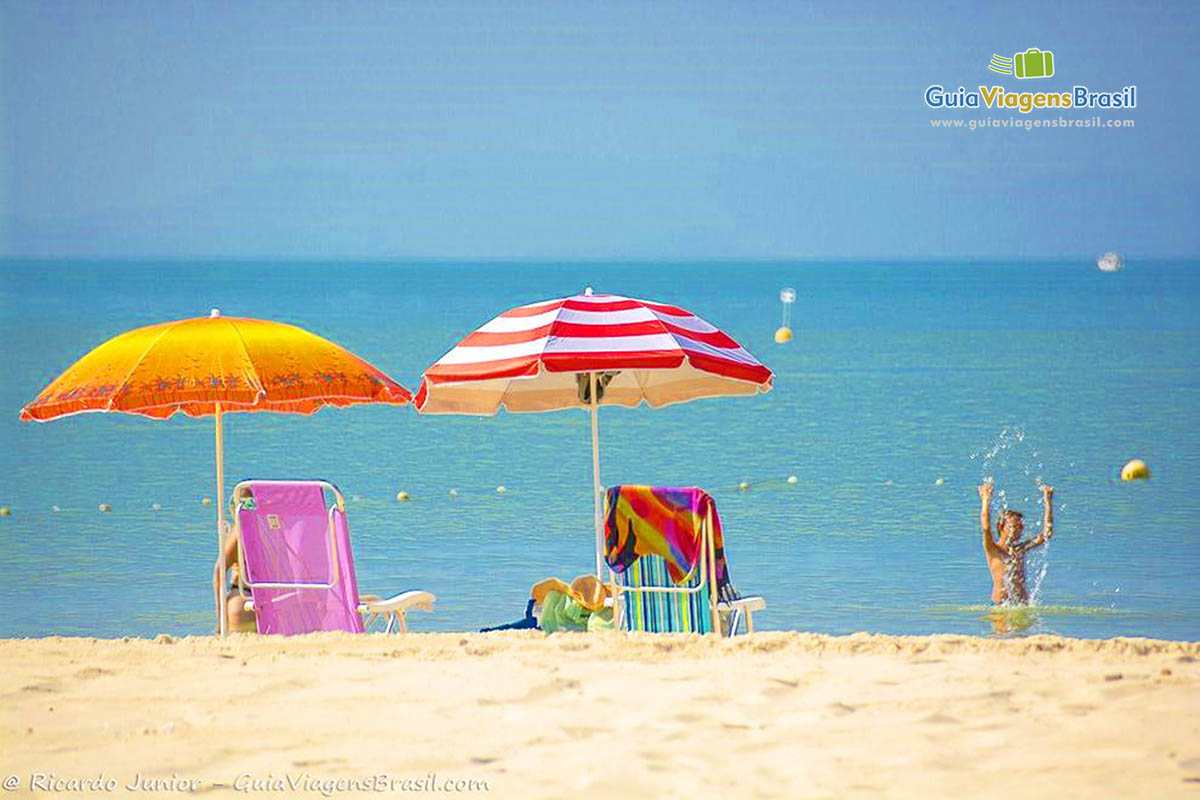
pixel 228 559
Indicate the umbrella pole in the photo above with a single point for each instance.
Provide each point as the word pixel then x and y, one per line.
pixel 222 615
pixel 596 489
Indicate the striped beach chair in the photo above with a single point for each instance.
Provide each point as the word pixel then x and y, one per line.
pixel 649 599
pixel 688 610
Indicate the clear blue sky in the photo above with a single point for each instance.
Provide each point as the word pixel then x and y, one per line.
pixel 574 130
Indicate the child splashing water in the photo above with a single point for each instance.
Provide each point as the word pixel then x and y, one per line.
pixel 1006 557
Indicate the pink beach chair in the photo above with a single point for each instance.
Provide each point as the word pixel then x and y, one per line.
pixel 296 562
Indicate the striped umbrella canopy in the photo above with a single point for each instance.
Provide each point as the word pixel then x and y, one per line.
pixel 586 351
pixel 209 366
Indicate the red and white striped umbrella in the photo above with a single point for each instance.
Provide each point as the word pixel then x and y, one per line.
pixel 527 359
pixel 586 351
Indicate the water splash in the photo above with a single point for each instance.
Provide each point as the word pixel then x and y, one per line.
pixel 1010 461
pixel 1039 563
pixel 1007 438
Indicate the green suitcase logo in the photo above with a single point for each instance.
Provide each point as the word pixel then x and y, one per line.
pixel 1034 63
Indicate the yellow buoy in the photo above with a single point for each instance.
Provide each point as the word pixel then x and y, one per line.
pixel 784 334
pixel 744 486
pixel 500 489
pixel 453 493
pixel 5 511
pixel 1135 470
pixel 792 479
pixel 206 501
pixel 402 497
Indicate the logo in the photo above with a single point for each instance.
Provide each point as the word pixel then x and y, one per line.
pixel 1033 63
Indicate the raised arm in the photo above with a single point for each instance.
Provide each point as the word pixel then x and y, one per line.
pixel 1047 520
pixel 985 521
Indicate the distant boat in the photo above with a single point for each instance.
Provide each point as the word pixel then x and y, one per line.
pixel 1110 262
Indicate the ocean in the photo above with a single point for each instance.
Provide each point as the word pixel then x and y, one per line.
pixel 906 385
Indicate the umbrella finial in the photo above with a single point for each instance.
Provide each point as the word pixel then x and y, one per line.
pixel 587 292
pixel 216 312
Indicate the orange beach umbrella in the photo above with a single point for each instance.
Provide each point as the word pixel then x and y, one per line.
pixel 210 366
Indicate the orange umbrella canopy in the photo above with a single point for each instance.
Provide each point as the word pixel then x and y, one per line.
pixel 191 365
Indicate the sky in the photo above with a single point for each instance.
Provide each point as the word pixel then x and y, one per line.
pixel 585 130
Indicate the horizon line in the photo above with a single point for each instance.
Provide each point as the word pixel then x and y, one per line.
pixel 553 260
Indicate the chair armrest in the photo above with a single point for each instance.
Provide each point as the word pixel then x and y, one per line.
pixel 416 599
pixel 745 603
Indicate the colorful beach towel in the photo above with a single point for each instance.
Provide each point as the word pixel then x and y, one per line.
pixel 667 522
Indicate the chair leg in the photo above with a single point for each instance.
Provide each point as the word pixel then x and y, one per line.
pixel 749 621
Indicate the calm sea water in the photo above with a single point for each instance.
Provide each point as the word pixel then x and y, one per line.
pixel 899 375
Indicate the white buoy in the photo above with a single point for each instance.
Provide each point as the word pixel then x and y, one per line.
pixel 500 489
pixel 216 312
pixel 453 493
pixel 791 479
pixel 156 507
pixel 744 485
pixel 939 482
pixel 105 507
pixel 55 509
pixel 402 497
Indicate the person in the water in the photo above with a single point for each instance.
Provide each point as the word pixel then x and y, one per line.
pixel 1006 557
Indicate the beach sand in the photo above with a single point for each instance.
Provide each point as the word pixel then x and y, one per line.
pixel 769 715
